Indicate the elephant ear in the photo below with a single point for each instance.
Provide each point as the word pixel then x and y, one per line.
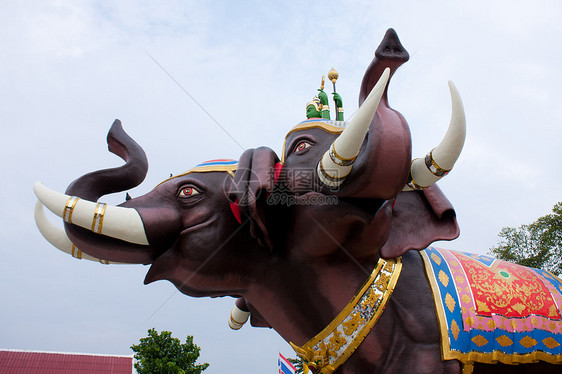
pixel 418 219
pixel 253 180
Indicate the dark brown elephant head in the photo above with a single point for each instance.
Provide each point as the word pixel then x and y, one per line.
pixel 335 209
pixel 356 179
pixel 186 227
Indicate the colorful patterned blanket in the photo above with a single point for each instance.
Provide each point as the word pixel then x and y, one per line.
pixel 494 311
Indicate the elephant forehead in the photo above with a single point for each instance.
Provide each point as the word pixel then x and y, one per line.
pixel 332 127
pixel 221 165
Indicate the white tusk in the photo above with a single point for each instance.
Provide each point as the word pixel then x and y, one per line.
pixel 337 162
pixel 238 318
pixel 438 162
pixel 116 222
pixel 57 237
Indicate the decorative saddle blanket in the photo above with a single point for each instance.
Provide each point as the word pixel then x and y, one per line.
pixel 493 311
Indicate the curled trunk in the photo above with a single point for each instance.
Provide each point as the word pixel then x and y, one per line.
pixel 93 185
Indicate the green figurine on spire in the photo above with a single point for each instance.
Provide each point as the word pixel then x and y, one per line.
pixel 319 107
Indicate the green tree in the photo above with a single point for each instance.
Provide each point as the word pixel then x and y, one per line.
pixel 537 245
pixel 162 354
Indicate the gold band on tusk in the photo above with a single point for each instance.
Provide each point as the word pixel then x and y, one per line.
pixel 97 222
pixel 331 178
pixel 235 321
pixel 339 160
pixel 411 182
pixel 433 167
pixel 75 252
pixel 69 208
pixel 413 185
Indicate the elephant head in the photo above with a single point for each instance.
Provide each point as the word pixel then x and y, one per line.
pixel 366 162
pixel 186 227
pixel 349 192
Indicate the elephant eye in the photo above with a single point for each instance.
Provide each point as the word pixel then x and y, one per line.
pixel 302 146
pixel 188 192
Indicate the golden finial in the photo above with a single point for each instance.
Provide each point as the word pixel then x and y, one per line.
pixel 333 75
pixel 322 85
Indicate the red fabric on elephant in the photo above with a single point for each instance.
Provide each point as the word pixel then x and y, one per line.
pixel 493 311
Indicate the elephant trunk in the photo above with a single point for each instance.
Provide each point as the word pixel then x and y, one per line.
pixel 93 185
pixel 123 236
pixel 382 165
pixel 389 54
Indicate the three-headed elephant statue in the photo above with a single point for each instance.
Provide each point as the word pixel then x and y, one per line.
pixel 327 244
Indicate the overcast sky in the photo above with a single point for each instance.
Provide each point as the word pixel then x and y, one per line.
pixel 69 68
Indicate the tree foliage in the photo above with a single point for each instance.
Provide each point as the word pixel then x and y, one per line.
pixel 537 245
pixel 162 354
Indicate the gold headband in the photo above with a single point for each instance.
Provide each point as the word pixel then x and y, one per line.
pixel 230 169
pixel 332 127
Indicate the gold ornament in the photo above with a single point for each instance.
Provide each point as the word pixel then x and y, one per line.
pixel 330 348
pixel 333 75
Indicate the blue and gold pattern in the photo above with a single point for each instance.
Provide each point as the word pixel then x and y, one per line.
pixel 501 339
pixel 222 165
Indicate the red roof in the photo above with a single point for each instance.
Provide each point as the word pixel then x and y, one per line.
pixel 30 362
